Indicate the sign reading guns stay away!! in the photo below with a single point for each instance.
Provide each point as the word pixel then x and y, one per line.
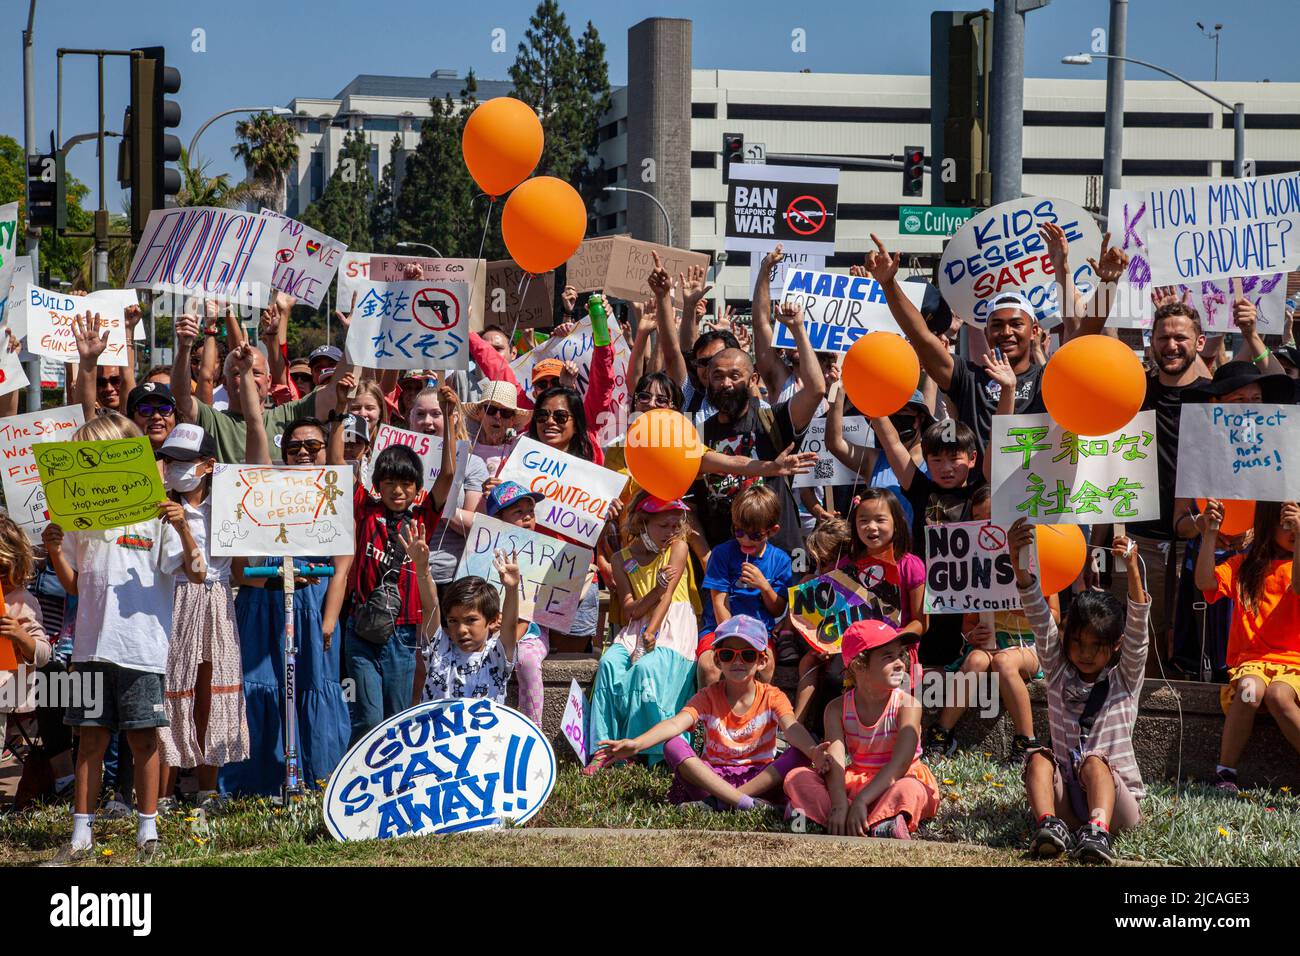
pixel 792 205
pixel 578 492
pixel 96 485
pixel 411 324
pixel 1238 451
pixel 968 569
pixel 840 309
pixel 221 254
pixel 282 510
pixel 443 766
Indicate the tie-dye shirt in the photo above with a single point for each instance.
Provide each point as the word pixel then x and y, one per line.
pixel 739 740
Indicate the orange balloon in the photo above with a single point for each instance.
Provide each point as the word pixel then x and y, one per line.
pixel 543 223
pixel 880 374
pixel 501 144
pixel 663 452
pixel 1061 555
pixel 1238 516
pixel 1093 385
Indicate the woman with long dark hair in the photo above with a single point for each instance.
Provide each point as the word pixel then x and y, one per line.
pixel 560 421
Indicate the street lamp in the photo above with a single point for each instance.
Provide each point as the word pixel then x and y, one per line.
pixel 421 245
pixel 273 110
pixel 1215 37
pixel 1238 109
pixel 641 192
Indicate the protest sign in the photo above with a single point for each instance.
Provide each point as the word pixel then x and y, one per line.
pixel 574 721
pixel 208 253
pixel 8 247
pixel 553 573
pixel 1051 476
pixel 968 568
pixel 1238 451
pixel 442 766
pixel 49 318
pixel 305 261
pixel 776 274
pixel 12 374
pixel 589 265
pixel 840 309
pixel 516 299
pixel 829 470
pixel 1001 250
pixel 422 323
pixel 620 265
pixel 353 274
pixel 96 485
pixel 24 493
pixel 792 205
pixel 1126 218
pixel 13 312
pixel 578 492
pixel 1228 227
pixel 282 510
pixel 429 450
pixel 821 609
pixel 472 272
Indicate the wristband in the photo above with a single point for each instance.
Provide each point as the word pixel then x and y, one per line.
pixel 1264 357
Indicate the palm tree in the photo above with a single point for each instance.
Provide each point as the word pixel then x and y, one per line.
pixel 269 148
pixel 200 189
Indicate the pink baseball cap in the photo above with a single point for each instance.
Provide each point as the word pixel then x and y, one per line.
pixel 654 506
pixel 867 635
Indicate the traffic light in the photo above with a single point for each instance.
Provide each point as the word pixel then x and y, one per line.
pixel 148 147
pixel 913 170
pixel 960 71
pixel 733 151
pixel 47 195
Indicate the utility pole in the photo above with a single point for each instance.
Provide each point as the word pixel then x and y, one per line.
pixel 1007 91
pixel 33 235
pixel 1112 173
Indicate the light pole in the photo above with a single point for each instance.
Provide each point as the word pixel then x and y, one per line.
pixel 273 110
pixel 1238 109
pixel 421 245
pixel 641 192
pixel 1215 37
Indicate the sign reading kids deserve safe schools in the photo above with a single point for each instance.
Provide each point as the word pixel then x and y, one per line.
pixel 24 493
pixel 792 205
pixel 1051 476
pixel 578 492
pixel 443 766
pixel 1239 451
pixel 968 568
pixel 840 309
pixel 96 485
pixel 305 260
pixel 421 323
pixel 222 254
pixel 282 510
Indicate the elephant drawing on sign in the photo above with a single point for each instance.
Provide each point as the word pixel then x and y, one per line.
pixel 324 532
pixel 229 533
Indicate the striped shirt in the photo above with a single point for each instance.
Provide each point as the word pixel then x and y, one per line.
pixel 871 748
pixel 739 740
pixel 1067 692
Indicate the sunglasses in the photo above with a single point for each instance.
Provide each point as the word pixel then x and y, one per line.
pixel 560 417
pixel 752 535
pixel 310 445
pixel 496 411
pixel 146 410
pixel 658 401
pixel 114 380
pixel 727 654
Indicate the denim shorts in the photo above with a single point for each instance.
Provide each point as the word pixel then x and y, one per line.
pixel 584 622
pixel 118 698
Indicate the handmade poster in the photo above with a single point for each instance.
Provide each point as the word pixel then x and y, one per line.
pixel 8 250
pixel 553 573
pixel 1051 476
pixel 821 609
pixel 776 274
pixel 574 722
pixel 828 470
pixel 516 299
pixel 443 766
pixel 473 272
pixel 24 493
pixel 632 260
pixel 589 265
pixel 578 492
pixel 282 510
pixel 1126 218
pixel 1001 250
pixel 422 323
pixel 96 485
pixel 792 205
pixel 1239 451
pixel 968 569
pixel 1199 231
pixel 12 374
pixel 13 311
pixel 209 253
pixel 49 318
pixel 305 260
pixel 429 449
pixel 839 309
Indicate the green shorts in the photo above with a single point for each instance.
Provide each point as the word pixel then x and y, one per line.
pixel 1006 640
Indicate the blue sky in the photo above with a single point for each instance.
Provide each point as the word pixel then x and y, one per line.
pixel 260 52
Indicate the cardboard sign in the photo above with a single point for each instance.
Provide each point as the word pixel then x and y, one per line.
pixel 49 318
pixel 1228 227
pixel 96 485
pixel 1238 451
pixel 443 766
pixel 24 493
pixel 12 304
pixel 222 254
pixel 1052 476
pixel 578 493
pixel 968 569
pixel 829 470
pixel 792 205
pixel 1001 250
pixel 423 323
pixel 588 267
pixel 553 573
pixel 620 265
pixel 821 609
pixel 305 261
pixel 516 299
pixel 840 309
pixel 282 510
pixel 776 274
pixel 574 721
pixel 429 449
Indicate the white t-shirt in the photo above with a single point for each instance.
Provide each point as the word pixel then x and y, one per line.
pixel 124 593
pixel 200 520
pixel 451 673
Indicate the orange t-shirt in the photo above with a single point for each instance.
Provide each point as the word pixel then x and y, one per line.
pixel 1272 632
pixel 738 740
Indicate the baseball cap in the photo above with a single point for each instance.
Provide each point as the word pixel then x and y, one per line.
pixel 654 506
pixel 749 629
pixel 548 368
pixel 866 635
pixel 1011 300
pixel 355 428
pixel 506 494
pixel 329 352
pixel 300 365
pixel 188 443
pixel 158 391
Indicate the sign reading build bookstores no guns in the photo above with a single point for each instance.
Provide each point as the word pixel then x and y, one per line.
pixel 97 485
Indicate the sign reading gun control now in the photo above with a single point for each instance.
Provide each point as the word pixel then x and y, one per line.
pixel 97 485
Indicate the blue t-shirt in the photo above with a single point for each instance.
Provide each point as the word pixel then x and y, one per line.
pixel 725 564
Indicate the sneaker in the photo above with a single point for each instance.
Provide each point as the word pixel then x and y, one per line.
pixel 892 829
pixel 1225 781
pixel 1052 839
pixel 115 808
pixel 1092 845
pixel 1022 746
pixel 68 854
pixel 939 742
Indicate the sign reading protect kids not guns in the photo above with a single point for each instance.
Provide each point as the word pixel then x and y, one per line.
pixel 208 253
pixel 97 485
pixel 282 510
pixel 968 568
pixel 443 766
pixel 578 492
pixel 420 323
pixel 305 260
pixel 1239 451
pixel 1051 476
pixel 24 493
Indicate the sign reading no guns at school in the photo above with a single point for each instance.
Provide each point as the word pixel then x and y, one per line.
pixel 1239 451
pixel 968 569
pixel 792 205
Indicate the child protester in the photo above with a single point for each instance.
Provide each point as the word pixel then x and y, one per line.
pixel 1264 640
pixel 741 715
pixel 21 622
pixel 1088 786
pixel 876 785
pixel 123 581
pixel 207 726
pixel 826 545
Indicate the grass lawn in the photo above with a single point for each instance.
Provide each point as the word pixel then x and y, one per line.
pixel 983 821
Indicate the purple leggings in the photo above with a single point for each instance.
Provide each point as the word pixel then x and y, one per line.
pixel 677 751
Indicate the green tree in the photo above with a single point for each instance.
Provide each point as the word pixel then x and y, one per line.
pixel 383 216
pixel 343 210
pixel 61 256
pixel 200 189
pixel 268 145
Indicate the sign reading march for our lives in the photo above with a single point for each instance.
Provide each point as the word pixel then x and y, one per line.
pixel 305 260
pixel 553 573
pixel 443 766
pixel 96 485
pixel 420 323
pixel 24 493
pixel 578 492
pixel 1052 476
pixel 968 569
pixel 1239 451
pixel 1001 250
pixel 49 318
pixel 793 205
pixel 282 510
pixel 840 309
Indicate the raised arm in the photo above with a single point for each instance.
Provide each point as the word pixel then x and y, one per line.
pixel 131 316
pixel 1211 520
pixel 661 285
pixel 600 381
pixel 1108 268
pixel 896 453
pixel 91 337
pixel 334 450
pixel 507 568
pixel 930 348
pixel 187 330
pixel 1252 347
pixel 766 360
pixel 257 447
pixel 1020 540
pixel 860 459
pixel 451 412
pixel 806 401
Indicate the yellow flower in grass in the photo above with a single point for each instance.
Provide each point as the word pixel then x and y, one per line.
pixel 197 840
pixel 950 782
pixel 988 777
pixel 1285 789
pixel 1224 833
pixel 106 853
pixel 999 784
pixel 190 819
pixel 954 796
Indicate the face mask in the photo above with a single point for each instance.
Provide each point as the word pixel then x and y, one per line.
pixel 182 476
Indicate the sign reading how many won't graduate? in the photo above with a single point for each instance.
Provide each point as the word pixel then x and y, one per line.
pixel 96 485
